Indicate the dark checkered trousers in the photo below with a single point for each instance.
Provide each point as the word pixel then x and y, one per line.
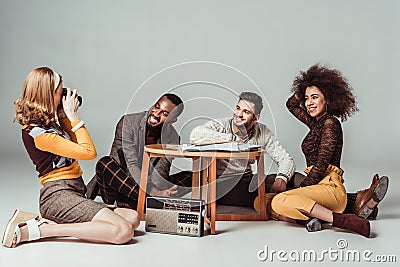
pixel 116 185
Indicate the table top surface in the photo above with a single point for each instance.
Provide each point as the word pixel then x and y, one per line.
pixel 176 151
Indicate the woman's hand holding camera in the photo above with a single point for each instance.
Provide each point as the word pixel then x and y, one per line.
pixel 70 104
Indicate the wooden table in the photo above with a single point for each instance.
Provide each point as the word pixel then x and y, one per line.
pixel 205 173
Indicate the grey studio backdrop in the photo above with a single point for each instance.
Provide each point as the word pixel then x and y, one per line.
pixel 108 49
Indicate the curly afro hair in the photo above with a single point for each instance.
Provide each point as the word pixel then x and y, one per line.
pixel 336 89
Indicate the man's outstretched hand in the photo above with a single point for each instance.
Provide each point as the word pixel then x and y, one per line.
pixel 164 193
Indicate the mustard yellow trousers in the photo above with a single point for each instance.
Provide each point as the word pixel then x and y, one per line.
pixel 329 193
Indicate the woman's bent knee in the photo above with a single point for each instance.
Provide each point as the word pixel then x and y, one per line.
pixel 123 233
pixel 119 230
pixel 133 218
pixel 129 215
pixel 136 220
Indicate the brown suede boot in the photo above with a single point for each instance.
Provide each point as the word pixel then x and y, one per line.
pixel 352 223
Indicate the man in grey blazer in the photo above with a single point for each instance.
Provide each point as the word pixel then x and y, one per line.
pixel 117 176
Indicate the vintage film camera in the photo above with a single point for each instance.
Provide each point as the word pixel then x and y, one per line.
pixel 65 92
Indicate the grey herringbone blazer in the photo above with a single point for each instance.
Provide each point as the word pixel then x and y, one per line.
pixel 128 147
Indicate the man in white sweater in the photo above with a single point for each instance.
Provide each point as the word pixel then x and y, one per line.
pixel 235 175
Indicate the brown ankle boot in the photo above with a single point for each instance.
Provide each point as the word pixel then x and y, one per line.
pixel 352 223
pixel 367 200
pixel 374 214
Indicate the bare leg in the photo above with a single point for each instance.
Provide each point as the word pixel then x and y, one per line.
pixel 130 215
pixel 319 212
pixel 106 227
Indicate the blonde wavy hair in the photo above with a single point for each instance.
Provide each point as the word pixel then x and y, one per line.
pixel 36 104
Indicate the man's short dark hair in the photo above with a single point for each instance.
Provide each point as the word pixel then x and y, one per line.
pixel 252 98
pixel 177 101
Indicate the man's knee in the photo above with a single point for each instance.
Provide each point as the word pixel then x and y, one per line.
pixel 106 164
pixel 102 163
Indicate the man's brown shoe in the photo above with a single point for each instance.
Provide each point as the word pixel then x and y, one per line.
pixel 374 214
pixel 123 205
pixel 367 200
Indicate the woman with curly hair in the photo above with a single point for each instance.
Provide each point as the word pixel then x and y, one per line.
pixel 55 138
pixel 321 96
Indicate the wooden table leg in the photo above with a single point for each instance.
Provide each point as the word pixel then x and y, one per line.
pixel 204 190
pixel 213 192
pixel 261 187
pixel 143 185
pixel 196 170
pixel 204 182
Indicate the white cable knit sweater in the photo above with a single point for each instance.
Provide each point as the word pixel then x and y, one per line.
pixel 220 130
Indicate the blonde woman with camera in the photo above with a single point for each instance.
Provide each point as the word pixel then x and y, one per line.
pixel 55 139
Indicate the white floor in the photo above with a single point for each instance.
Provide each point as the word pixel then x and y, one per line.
pixel 236 243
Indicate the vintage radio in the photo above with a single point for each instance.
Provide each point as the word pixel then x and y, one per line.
pixel 180 216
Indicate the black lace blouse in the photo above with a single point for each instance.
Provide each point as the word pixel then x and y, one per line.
pixel 323 143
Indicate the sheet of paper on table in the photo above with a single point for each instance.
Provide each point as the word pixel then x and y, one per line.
pixel 230 147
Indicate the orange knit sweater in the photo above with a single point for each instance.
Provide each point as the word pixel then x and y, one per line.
pixel 48 145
